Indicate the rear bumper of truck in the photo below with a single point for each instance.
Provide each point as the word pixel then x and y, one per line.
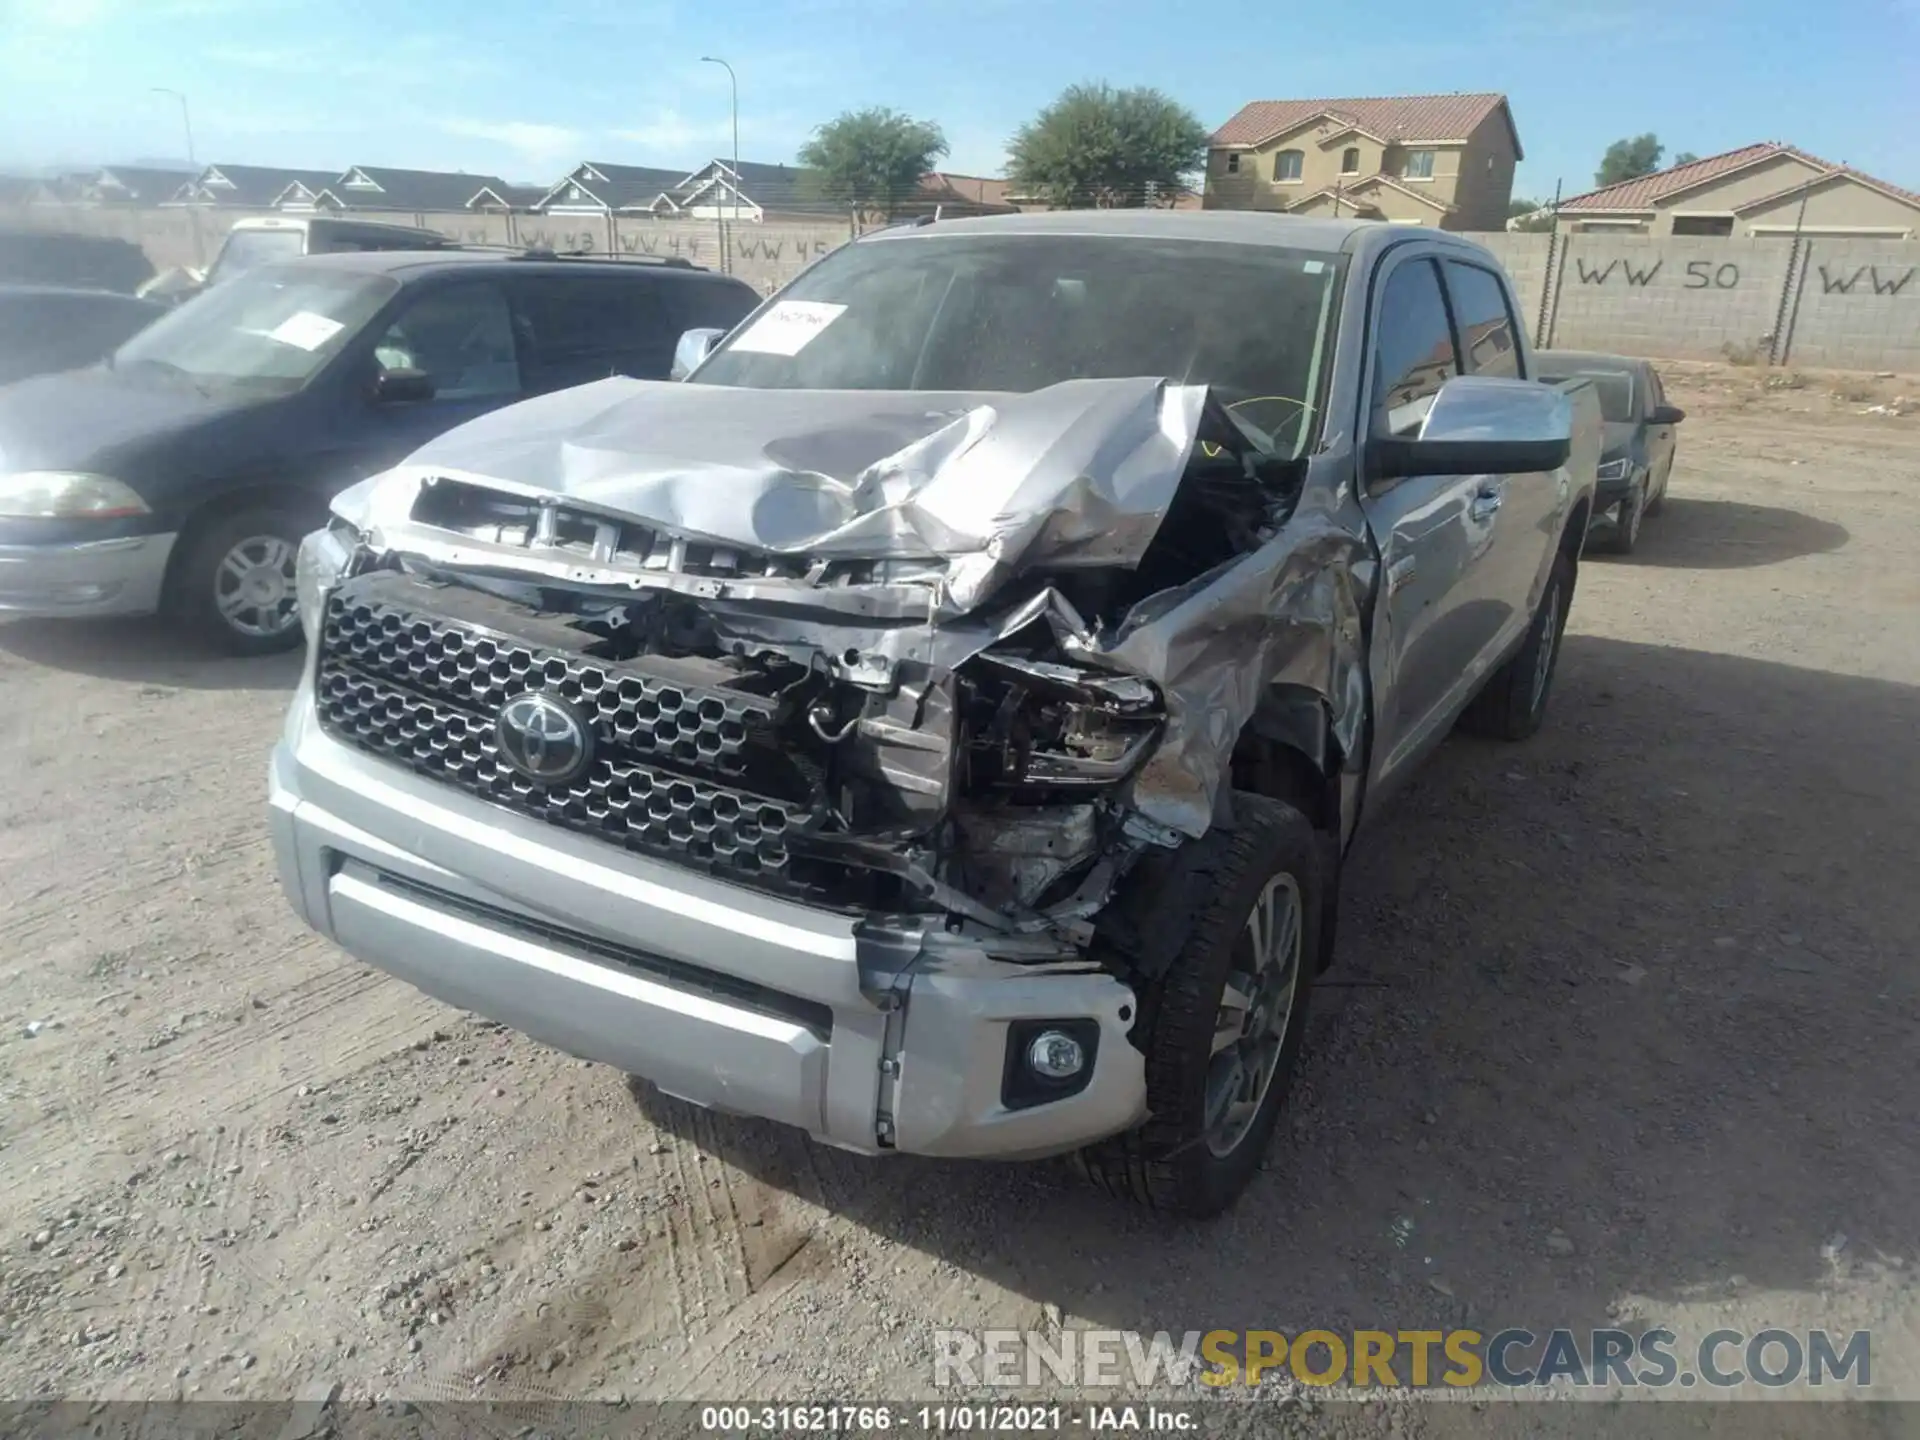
pixel 718 994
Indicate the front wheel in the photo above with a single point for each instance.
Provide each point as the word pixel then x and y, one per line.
pixel 1221 1025
pixel 235 584
pixel 1626 531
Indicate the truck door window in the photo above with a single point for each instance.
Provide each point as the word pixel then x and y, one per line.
pixel 1413 349
pixel 1481 311
pixel 461 335
pixel 577 329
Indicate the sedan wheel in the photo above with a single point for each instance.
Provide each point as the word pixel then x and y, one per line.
pixel 254 587
pixel 234 580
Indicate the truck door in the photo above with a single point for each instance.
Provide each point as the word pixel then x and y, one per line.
pixel 1524 513
pixel 1434 623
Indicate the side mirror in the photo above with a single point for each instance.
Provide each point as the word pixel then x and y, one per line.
pixel 1666 415
pixel 1481 425
pixel 403 387
pixel 693 347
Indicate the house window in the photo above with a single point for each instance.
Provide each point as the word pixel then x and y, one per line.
pixel 1233 164
pixel 1350 160
pixel 1287 165
pixel 1703 224
pixel 1419 165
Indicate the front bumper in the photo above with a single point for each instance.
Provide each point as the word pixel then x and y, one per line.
pixel 121 576
pixel 739 1001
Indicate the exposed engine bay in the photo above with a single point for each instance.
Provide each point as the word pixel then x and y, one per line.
pixel 962 657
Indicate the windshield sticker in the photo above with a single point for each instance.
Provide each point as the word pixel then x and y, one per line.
pixel 788 328
pixel 305 330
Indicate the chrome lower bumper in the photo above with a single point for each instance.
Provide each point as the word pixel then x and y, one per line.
pixel 718 994
pixel 97 577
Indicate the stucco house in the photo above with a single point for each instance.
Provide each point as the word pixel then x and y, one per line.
pixel 1444 160
pixel 1765 189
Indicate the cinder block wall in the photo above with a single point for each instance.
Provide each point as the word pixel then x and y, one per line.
pixel 1840 303
pixel 1525 259
pixel 1857 306
pixel 1639 295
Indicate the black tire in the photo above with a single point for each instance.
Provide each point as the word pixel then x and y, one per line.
pixel 1658 500
pixel 1625 538
pixel 1514 700
pixel 200 581
pixel 1186 920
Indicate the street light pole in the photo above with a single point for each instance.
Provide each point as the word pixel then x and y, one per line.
pixel 733 85
pixel 186 120
pixel 193 213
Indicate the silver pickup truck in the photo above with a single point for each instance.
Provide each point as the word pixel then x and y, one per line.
pixel 939 721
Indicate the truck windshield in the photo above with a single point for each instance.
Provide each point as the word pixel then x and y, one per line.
pixel 1021 312
pixel 268 330
pixel 246 249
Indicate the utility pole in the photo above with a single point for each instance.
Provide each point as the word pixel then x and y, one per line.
pixel 186 121
pixel 193 163
pixel 733 85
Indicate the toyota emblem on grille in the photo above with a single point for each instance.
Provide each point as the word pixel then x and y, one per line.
pixel 543 738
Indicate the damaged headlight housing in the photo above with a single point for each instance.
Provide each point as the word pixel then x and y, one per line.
pixel 1043 725
pixel 323 559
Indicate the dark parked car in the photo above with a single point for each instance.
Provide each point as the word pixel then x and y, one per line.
pixel 1638 458
pixel 56 257
pixel 181 472
pixel 46 328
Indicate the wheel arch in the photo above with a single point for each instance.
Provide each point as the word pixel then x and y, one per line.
pixel 1573 539
pixel 217 507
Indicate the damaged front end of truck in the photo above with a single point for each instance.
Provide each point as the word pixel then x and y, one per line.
pixel 950 663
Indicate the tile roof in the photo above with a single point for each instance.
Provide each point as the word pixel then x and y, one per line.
pixel 975 189
pixel 781 189
pixel 258 186
pixel 1646 191
pixel 147 184
pixel 517 197
pixel 1389 117
pixel 408 189
pixel 1347 189
pixel 623 187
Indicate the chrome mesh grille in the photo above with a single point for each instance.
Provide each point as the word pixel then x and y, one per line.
pixel 675 763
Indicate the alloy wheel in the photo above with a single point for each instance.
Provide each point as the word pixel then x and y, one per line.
pixel 1256 1005
pixel 253 586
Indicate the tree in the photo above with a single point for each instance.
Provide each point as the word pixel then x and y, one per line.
pixel 1629 159
pixel 1685 157
pixel 872 160
pixel 1104 148
pixel 1534 216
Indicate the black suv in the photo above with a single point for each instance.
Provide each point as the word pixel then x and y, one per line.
pixel 180 474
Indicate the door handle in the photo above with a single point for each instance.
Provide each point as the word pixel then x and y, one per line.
pixel 1485 505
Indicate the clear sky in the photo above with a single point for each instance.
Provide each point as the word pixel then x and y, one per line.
pixel 526 88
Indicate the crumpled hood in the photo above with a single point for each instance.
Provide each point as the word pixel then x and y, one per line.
pixel 1080 473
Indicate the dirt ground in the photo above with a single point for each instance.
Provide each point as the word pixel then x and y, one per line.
pixel 1625 1027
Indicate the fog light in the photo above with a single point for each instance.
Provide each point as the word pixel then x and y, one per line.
pixel 1055 1055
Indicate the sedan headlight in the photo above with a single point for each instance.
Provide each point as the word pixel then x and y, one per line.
pixel 65 495
pixel 1614 470
pixel 323 559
